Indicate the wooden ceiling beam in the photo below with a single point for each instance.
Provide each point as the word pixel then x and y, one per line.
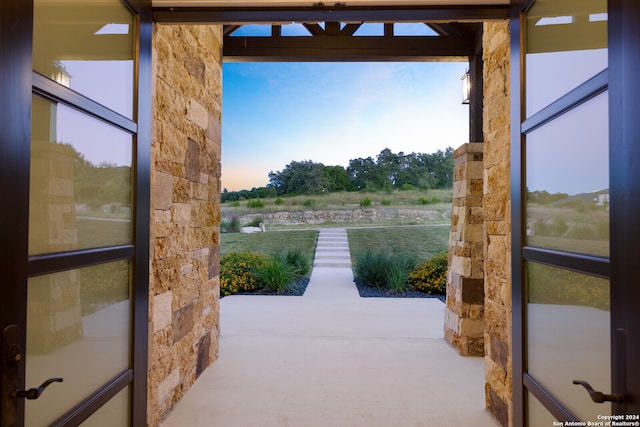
pixel 264 15
pixel 332 48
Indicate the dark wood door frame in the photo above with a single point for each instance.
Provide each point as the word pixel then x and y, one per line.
pixel 17 85
pixel 624 150
pixel 16 29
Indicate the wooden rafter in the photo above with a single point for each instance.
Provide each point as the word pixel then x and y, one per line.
pixel 337 42
pixel 266 15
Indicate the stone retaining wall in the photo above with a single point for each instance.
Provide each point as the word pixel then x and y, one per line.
pixel 185 181
pixel 346 216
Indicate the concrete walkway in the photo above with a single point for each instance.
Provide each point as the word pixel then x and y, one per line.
pixel 333 359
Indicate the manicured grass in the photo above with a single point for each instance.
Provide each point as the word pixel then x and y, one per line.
pixel 423 242
pixel 97 232
pixel 270 242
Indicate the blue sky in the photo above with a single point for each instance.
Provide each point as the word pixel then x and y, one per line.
pixel 274 113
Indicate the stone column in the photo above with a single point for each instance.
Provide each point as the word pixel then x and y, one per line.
pixel 185 202
pixel 496 207
pixel 464 315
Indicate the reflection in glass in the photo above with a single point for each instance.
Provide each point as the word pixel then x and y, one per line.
pixel 538 414
pixel 566 44
pixel 567 179
pixel 77 329
pixel 87 46
pixel 114 413
pixel 80 188
pixel 568 319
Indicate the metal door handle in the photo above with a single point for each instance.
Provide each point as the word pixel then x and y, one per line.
pixel 34 393
pixel 598 396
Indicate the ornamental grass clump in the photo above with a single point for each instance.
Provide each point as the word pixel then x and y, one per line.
pixel 371 268
pixel 430 276
pixel 384 271
pixel 275 275
pixel 238 272
pixel 400 265
pixel 299 262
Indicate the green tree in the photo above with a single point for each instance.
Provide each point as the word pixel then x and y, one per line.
pixel 361 173
pixel 337 179
pixel 306 177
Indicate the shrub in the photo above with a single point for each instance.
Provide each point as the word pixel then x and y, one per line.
pixel 238 272
pixel 383 271
pixel 235 204
pixel 278 201
pixel 365 202
pixel 431 275
pixel 309 202
pixel 397 279
pixel 399 268
pixel 233 226
pixel 435 200
pixel 255 222
pixel 558 226
pixel 371 268
pixel 298 261
pixel 408 187
pixel 423 201
pixel 385 202
pixel 275 274
pixel 556 286
pixel 255 203
pixel 539 227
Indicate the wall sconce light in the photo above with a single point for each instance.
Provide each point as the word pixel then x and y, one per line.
pixel 60 74
pixel 466 87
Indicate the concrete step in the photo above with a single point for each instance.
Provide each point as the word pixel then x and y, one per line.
pixel 332 265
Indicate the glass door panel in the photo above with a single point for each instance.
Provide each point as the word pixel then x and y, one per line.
pixel 113 413
pixel 77 329
pixel 81 209
pixel 567 178
pixel 87 46
pixel 80 185
pixel 568 318
pixel 538 415
pixel 566 43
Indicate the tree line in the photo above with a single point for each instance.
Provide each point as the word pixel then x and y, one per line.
pixel 388 171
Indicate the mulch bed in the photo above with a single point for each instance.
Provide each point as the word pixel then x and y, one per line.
pixel 371 292
pixel 295 289
pixel 298 288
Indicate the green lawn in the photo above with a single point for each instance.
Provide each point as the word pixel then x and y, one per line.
pixel 270 242
pixel 421 241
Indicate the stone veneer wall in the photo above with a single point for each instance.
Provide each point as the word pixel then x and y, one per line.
pixel 497 227
pixel 464 314
pixel 185 183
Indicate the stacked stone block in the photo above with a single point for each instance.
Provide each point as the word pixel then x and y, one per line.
pixel 54 312
pixel 185 205
pixel 464 314
pixel 497 227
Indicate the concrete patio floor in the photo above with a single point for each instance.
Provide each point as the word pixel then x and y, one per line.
pixel 332 359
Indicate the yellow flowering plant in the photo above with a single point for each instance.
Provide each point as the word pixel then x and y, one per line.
pixel 430 276
pixel 238 272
